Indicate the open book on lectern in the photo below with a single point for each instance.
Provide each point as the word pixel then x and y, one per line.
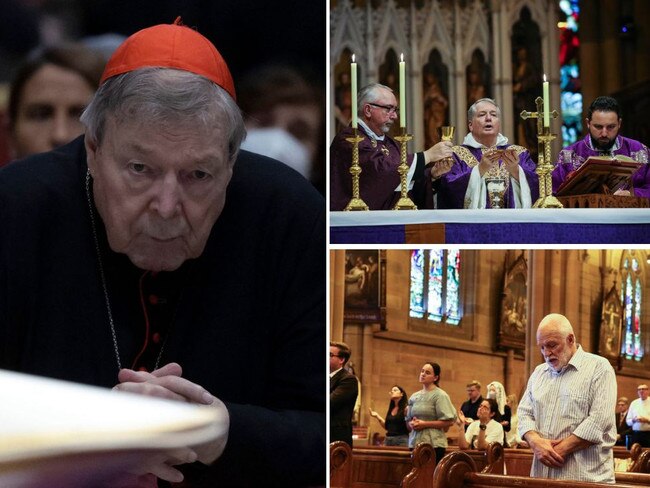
pixel 601 174
pixel 70 431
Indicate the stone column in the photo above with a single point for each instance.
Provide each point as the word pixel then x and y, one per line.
pixel 337 293
pixel 505 74
pixel 610 49
pixel 642 21
pixel 365 376
pixel 459 94
pixel 537 304
pixel 590 56
pixel 497 92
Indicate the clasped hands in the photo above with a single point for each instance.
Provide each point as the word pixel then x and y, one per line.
pixel 492 156
pixel 417 424
pixel 167 382
pixel 550 452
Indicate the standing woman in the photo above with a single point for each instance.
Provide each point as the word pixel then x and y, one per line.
pixel 395 424
pixel 430 412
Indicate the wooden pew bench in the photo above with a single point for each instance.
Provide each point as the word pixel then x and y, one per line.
pixel 458 470
pixel 381 467
pixel 517 462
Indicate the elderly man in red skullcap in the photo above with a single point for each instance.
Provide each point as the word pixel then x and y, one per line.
pixel 152 256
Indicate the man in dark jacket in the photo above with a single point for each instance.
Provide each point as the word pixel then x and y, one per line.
pixel 343 393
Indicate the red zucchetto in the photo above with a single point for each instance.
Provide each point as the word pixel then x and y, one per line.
pixel 171 46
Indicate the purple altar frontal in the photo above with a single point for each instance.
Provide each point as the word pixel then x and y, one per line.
pixel 492 226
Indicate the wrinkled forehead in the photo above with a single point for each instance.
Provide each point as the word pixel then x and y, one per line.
pixel 386 97
pixel 485 107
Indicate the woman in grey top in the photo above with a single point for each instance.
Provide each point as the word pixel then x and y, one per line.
pixel 430 412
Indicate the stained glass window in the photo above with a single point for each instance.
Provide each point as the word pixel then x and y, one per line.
pixel 438 296
pixel 570 96
pixel 632 299
pixel 417 284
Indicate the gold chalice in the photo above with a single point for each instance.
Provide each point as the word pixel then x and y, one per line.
pixel 448 132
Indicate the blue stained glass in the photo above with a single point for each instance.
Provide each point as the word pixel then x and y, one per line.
pixel 638 351
pixel 417 284
pixel 571 98
pixel 453 287
pixel 436 270
pixel 435 285
pixel 628 314
pixel 632 299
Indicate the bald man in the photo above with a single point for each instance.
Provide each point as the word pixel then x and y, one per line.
pixel 566 413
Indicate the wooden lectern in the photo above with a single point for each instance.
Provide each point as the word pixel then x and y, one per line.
pixel 593 184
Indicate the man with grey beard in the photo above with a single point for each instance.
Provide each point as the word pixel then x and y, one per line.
pixel 565 414
pixel 379 156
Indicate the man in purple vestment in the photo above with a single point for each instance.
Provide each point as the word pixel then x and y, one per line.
pixel 604 122
pixel 485 157
pixel 379 157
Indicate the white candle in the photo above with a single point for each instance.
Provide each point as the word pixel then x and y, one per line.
pixel 353 88
pixel 547 115
pixel 402 92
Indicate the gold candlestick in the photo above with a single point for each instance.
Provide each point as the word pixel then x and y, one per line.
pixel 404 203
pixel 356 203
pixel 544 164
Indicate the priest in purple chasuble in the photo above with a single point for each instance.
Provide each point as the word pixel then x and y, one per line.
pixel 485 153
pixel 379 157
pixel 604 123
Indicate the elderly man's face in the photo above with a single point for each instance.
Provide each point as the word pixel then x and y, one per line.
pixel 159 190
pixel 485 125
pixel 642 390
pixel 382 113
pixel 556 349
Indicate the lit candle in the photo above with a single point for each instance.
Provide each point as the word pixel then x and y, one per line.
pixel 547 115
pixel 402 92
pixel 353 88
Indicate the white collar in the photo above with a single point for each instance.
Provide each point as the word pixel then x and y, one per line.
pixel 471 142
pixel 370 132
pixel 333 373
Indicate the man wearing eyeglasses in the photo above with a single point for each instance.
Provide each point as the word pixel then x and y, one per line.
pixel 343 393
pixel 638 417
pixel 379 156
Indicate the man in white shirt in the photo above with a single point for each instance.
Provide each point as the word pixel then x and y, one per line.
pixel 638 417
pixel 566 413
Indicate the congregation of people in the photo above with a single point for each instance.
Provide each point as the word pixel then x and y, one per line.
pixel 470 174
pixel 568 415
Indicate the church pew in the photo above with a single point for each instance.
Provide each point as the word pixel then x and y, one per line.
pixel 386 466
pixel 424 464
pixel 379 466
pixel 518 462
pixel 458 470
pixel 340 464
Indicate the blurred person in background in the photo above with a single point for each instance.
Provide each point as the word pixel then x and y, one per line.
pixel 48 94
pixel 284 116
